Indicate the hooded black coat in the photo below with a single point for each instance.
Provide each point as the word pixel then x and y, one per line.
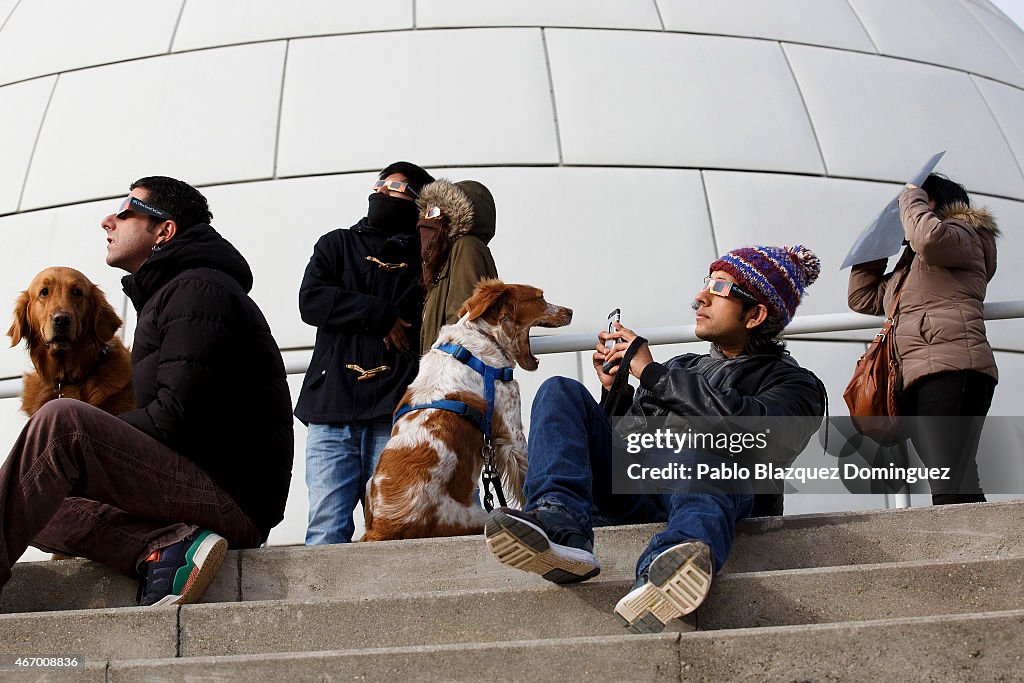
pixel 353 302
pixel 208 376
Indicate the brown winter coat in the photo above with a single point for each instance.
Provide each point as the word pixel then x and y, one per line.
pixel 940 324
pixel 469 212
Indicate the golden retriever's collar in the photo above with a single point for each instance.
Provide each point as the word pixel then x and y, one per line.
pixel 58 385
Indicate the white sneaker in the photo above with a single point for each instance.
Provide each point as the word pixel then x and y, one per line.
pixel 676 584
pixel 525 541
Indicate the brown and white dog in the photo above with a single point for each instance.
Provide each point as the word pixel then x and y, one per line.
pixel 68 327
pixel 424 482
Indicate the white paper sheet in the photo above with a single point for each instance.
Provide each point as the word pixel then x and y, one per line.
pixel 884 236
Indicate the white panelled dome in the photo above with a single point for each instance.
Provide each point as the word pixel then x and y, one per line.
pixel 626 143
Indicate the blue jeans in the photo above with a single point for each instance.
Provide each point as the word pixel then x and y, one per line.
pixel 570 468
pixel 340 459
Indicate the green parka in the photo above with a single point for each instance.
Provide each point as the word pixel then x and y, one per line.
pixel 469 215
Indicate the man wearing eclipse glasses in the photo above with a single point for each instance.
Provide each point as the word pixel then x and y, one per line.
pixel 748 298
pixel 360 291
pixel 204 461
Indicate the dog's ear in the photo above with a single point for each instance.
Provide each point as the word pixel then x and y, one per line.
pixel 490 296
pixel 105 319
pixel 492 299
pixel 20 328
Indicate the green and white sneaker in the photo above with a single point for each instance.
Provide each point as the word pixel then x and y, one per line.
pixel 180 573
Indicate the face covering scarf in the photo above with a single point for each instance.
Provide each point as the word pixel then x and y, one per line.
pixel 391 215
pixel 434 247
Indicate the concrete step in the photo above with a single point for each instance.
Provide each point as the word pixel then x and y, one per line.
pixel 974 647
pixel 863 592
pixel 945 532
pixel 440 565
pixel 96 634
pixel 538 611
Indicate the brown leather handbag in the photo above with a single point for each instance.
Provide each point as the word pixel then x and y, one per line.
pixel 871 393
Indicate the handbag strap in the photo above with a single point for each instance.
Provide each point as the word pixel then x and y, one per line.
pixel 890 320
pixel 899 287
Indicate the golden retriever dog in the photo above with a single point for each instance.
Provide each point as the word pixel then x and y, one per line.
pixel 68 327
pixel 424 482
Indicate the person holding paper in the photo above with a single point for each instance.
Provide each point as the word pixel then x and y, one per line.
pixel 947 367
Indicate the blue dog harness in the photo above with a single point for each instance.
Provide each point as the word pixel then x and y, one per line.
pixel 481 421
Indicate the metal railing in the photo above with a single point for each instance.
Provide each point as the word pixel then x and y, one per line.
pixel 800 325
pixel 297 361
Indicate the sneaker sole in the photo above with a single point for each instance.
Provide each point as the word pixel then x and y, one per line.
pixel 205 564
pixel 678 581
pixel 522 545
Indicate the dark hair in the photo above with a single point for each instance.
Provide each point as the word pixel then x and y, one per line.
pixel 764 340
pixel 181 200
pixel 944 191
pixel 416 175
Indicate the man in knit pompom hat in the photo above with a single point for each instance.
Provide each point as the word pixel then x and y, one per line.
pixel 778 276
pixel 748 298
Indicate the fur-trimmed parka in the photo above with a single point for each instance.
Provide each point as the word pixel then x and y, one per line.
pixel 940 325
pixel 468 217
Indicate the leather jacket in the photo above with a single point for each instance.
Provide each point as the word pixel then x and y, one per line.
pixel 756 388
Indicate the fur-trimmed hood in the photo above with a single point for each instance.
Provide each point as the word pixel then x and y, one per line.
pixel 979 218
pixel 467 204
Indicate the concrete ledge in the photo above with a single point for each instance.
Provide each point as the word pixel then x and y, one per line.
pixel 930 593
pixel 650 658
pixel 513 613
pixel 820 540
pixel 973 647
pixel 882 591
pixel 542 610
pixel 946 533
pixel 80 584
pixel 413 566
pixel 65 584
pixel 92 672
pixel 525 613
pixel 132 633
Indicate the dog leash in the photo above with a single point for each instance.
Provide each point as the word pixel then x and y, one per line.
pixel 490 477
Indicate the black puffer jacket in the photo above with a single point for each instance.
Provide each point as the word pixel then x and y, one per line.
pixel 209 379
pixel 748 387
pixel 353 302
